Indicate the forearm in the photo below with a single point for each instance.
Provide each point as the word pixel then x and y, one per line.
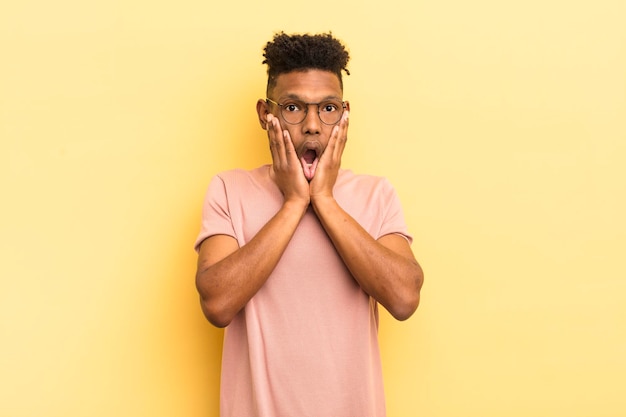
pixel 388 273
pixel 227 281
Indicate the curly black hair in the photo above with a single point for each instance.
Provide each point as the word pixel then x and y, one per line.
pixel 287 53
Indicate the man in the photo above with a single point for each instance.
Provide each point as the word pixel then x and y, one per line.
pixel 294 257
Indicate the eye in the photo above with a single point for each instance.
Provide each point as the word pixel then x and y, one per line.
pixel 329 107
pixel 292 107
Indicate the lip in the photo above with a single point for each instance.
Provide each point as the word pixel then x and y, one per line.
pixel 309 169
pixel 310 145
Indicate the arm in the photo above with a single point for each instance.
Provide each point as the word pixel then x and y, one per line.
pixel 386 268
pixel 227 275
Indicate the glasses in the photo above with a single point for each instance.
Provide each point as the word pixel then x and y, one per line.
pixel 295 111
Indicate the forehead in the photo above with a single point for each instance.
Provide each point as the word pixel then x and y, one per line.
pixel 309 85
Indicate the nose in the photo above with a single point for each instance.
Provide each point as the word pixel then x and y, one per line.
pixel 312 125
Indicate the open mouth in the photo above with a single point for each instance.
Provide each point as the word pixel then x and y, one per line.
pixel 309 156
pixel 309 162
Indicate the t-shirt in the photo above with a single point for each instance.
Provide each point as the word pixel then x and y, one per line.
pixel 306 344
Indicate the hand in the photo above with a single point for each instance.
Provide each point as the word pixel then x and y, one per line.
pixel 286 170
pixel 327 170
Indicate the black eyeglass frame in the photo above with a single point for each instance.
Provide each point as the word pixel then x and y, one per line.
pixel 306 111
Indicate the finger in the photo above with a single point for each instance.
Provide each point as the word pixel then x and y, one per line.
pixel 338 138
pixel 276 140
pixel 342 135
pixel 291 155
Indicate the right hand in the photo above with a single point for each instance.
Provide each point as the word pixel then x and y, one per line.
pixel 286 170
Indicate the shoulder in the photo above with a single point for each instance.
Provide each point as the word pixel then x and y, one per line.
pixel 239 177
pixel 350 181
pixel 242 174
pixel 246 186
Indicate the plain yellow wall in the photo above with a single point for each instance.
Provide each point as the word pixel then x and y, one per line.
pixel 501 124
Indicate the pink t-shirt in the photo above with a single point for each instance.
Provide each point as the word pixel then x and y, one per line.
pixel 306 344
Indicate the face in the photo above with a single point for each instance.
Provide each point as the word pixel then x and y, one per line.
pixel 310 137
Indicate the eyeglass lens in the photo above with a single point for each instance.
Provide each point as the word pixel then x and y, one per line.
pixel 295 112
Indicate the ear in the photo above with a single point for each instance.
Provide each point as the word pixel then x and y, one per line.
pixel 262 110
pixel 347 105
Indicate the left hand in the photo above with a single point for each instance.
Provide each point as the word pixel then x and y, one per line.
pixel 323 182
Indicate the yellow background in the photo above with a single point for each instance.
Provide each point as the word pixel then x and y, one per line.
pixel 501 124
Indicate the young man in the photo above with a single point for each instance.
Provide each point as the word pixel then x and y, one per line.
pixel 294 257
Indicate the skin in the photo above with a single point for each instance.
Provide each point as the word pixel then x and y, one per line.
pixel 228 276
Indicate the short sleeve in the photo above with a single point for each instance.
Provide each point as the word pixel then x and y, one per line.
pixel 394 222
pixel 216 219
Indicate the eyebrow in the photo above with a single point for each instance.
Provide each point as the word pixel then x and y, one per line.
pixel 297 97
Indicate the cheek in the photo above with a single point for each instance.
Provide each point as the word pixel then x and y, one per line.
pixel 328 131
pixel 293 134
pixel 296 140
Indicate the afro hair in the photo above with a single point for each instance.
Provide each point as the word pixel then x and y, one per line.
pixel 287 53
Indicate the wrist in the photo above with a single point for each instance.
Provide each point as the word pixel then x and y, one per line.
pixel 298 205
pixel 322 201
